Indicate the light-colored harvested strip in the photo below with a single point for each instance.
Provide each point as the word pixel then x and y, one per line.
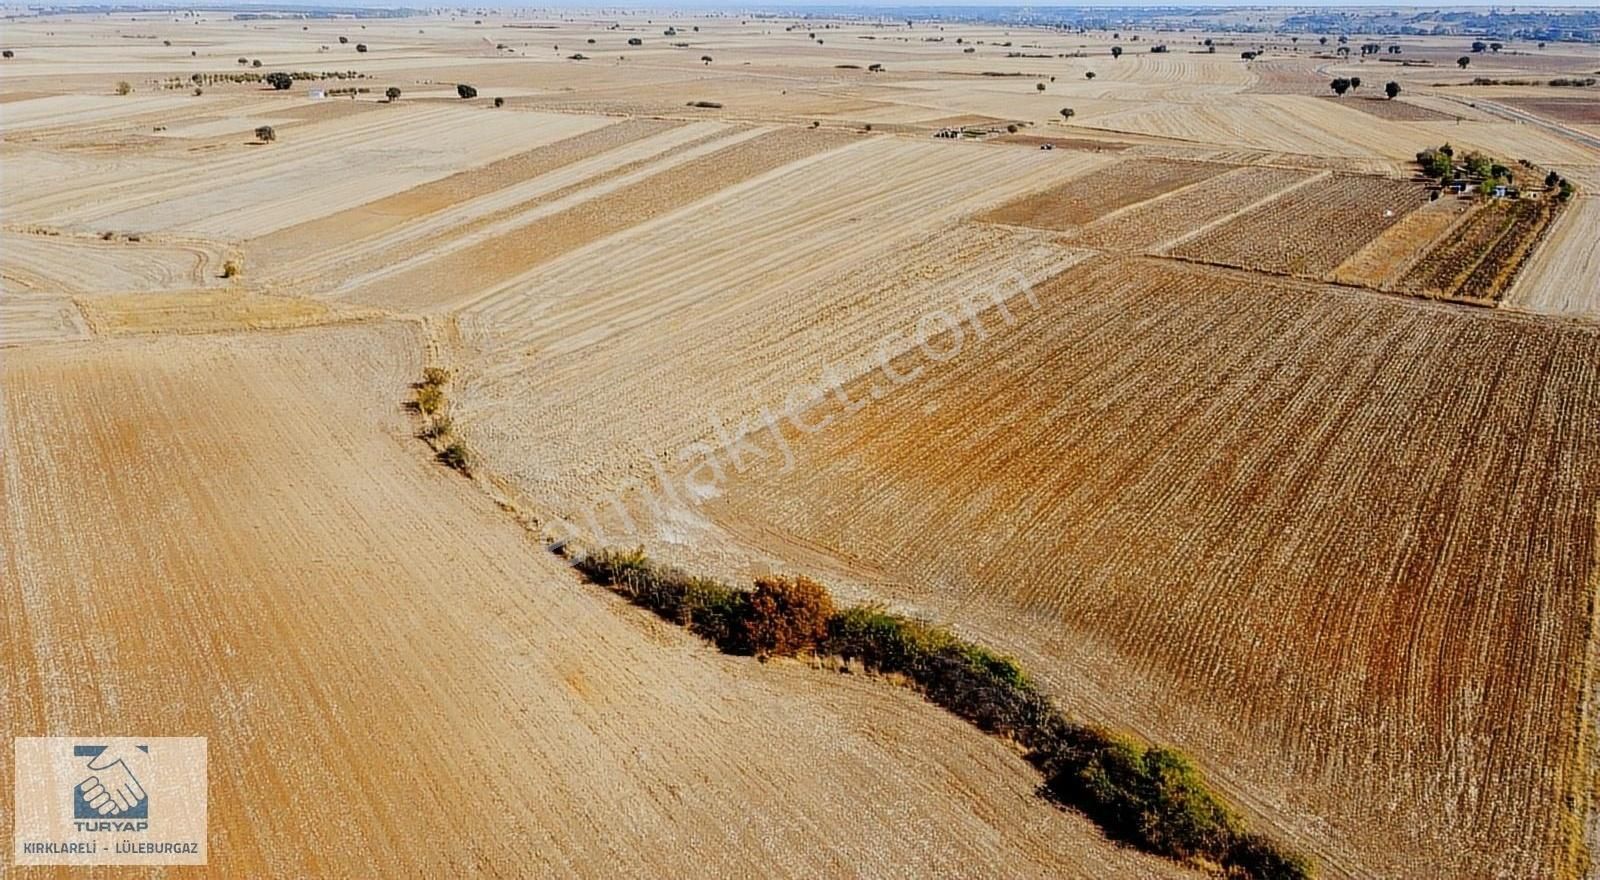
pixel 34 318
pixel 381 277
pixel 1563 277
pixel 366 222
pixel 75 265
pixel 429 234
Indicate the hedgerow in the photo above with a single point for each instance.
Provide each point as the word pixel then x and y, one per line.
pixel 1148 796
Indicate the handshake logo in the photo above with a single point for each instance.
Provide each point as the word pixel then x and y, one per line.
pixel 110 788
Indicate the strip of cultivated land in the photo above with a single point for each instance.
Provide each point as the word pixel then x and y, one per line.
pixel 1342 549
pixel 360 632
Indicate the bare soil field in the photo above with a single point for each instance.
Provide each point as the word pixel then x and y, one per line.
pixel 1384 108
pixel 345 618
pixel 1336 545
pixel 1310 230
pixel 1580 111
pixel 1323 521
pixel 1077 202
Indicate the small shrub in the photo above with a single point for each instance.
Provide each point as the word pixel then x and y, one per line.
pixel 256 62
pixel 438 427
pixel 499 102
pixel 361 47
pixel 231 269
pixel 456 456
pixel 788 615
pixel 466 91
pixel 435 376
pixel 343 40
pixel 266 134
pixel 124 88
pixel 430 399
pixel 8 54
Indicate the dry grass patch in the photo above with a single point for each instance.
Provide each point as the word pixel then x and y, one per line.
pixel 204 311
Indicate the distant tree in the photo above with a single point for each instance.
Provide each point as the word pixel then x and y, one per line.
pixel 1391 89
pixel 343 40
pixel 1344 51
pixel 705 59
pixel 265 134
pixel 1565 193
pixel 124 88
pixel 1116 51
pixel 1541 45
pixel 1551 180
pixel 1479 45
pixel 635 41
pixel 244 61
pixel 1463 61
pixel 499 102
pixel 1088 74
pixel 466 91
pixel 198 92
pixel 8 54
pixel 361 47
pixel 1495 47
pixel 392 93
pixel 280 80
pixel 1394 50
pixel 1323 40
pixel 1039 86
pixel 875 68
pixel 1340 86
pixel 256 63
pixel 1355 82
pixel 1068 113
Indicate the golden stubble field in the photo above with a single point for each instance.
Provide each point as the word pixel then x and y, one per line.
pixel 1219 470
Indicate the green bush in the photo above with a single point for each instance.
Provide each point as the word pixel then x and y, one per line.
pixel 430 399
pixel 1153 798
pixel 456 456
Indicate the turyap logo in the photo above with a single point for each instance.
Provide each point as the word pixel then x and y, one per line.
pixel 112 787
pixel 108 800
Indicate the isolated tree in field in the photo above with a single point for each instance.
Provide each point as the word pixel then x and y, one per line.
pixel 256 63
pixel 1088 74
pixel 361 47
pixel 466 91
pixel 343 40
pixel 1116 51
pixel 280 81
pixel 243 61
pixel 1068 113
pixel 1340 86
pixel 1479 45
pixel 1039 86
pixel 265 134
pixel 1344 51
pixel 1552 180
pixel 1323 40
pixel 499 102
pixel 1343 39
pixel 706 59
pixel 1355 82
pixel 1495 47
pixel 1391 89
pixel 392 93
pixel 1463 61
pixel 124 88
pixel 8 54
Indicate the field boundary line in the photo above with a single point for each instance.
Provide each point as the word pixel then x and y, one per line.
pixel 1162 250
